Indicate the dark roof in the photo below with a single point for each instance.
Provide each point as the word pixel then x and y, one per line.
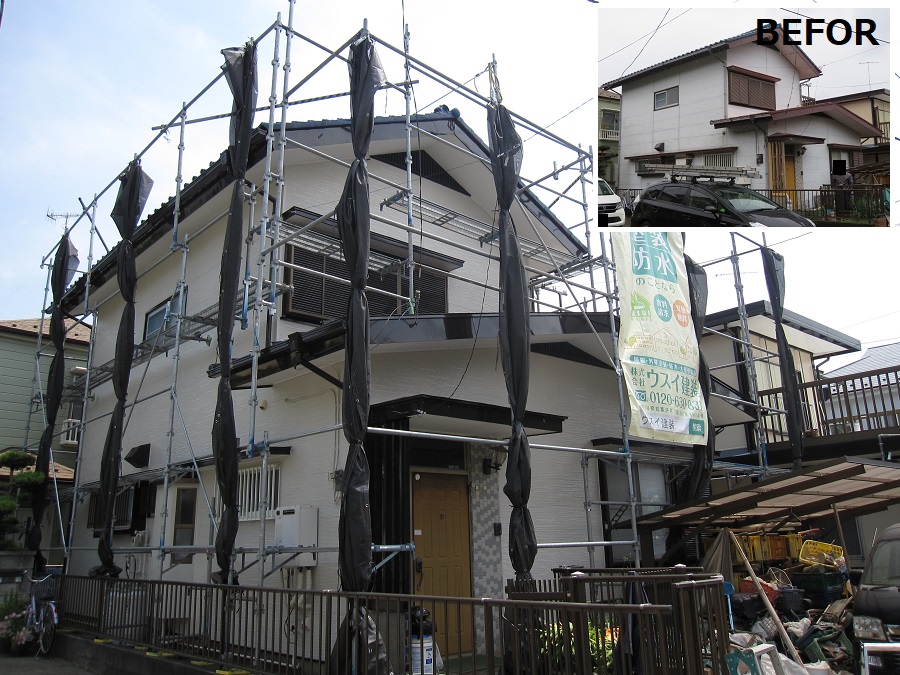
pixel 833 341
pixel 708 50
pixel 218 176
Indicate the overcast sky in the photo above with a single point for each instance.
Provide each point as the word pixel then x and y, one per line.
pixel 636 44
pixel 83 83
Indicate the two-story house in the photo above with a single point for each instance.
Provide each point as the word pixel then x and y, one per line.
pixel 432 371
pixel 733 108
pixel 608 146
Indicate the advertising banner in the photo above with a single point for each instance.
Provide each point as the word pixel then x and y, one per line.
pixel 657 345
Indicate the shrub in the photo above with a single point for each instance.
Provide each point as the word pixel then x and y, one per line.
pixel 29 480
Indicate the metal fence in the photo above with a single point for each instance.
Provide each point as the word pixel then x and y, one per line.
pixel 287 631
pixel 856 203
pixel 832 406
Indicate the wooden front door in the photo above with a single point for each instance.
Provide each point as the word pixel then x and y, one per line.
pixel 440 520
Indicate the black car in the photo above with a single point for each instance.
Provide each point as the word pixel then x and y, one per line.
pixel 710 204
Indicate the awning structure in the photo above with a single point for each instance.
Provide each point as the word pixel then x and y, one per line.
pixel 436 414
pixel 854 485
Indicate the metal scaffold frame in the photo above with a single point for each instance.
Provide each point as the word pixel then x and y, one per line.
pixel 256 311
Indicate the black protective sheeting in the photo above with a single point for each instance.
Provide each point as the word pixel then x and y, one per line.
pixel 697 478
pixel 59 276
pixel 133 192
pixel 515 337
pixel 773 266
pixel 240 72
pixel 358 638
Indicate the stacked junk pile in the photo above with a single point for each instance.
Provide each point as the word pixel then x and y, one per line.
pixel 791 604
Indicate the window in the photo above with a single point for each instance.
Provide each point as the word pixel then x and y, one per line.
pixel 719 160
pixel 249 480
pixel 162 316
pixel 315 297
pixel 609 125
pixel 700 200
pixel 122 512
pixel 72 425
pixel 665 98
pixel 673 193
pixel 751 91
pixel 185 515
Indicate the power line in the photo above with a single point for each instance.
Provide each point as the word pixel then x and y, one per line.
pixel 646 43
pixel 642 37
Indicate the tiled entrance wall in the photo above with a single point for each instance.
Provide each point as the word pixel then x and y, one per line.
pixel 487 548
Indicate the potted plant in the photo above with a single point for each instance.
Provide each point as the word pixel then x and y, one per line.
pixel 16 487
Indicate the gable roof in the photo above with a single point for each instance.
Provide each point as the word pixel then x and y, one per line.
pixel 835 111
pixel 802 332
pixel 218 176
pixel 793 54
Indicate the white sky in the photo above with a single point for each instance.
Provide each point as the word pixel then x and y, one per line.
pixel 83 83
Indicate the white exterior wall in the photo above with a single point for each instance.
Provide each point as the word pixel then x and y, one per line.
pixel 701 97
pixel 306 402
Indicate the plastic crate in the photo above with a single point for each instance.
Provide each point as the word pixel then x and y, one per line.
pixel 778 547
pixel 794 544
pixel 759 548
pixel 791 600
pixel 815 653
pixel 747 586
pixel 818 582
pixel 813 552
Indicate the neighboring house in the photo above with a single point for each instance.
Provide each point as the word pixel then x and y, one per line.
pixel 852 411
pixel 873 106
pixel 21 394
pixel 733 108
pixel 608 124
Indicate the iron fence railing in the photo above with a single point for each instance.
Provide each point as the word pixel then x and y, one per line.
pixel 285 630
pixel 852 202
pixel 839 405
pixel 857 203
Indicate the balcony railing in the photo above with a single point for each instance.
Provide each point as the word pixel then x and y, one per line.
pixel 609 134
pixel 276 631
pixel 840 405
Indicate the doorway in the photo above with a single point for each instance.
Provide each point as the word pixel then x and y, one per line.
pixel 440 521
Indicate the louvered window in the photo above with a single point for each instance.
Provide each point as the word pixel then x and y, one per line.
pixel 750 91
pixel 315 297
pixel 249 487
pixel 123 510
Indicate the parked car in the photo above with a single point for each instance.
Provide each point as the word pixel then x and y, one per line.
pixel 609 206
pixel 710 204
pixel 876 605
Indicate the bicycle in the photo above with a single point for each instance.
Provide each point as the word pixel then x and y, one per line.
pixel 41 616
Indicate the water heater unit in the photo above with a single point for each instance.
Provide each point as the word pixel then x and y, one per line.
pixel 297 526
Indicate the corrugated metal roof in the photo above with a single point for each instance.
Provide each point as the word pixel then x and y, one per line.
pixel 876 358
pixel 854 485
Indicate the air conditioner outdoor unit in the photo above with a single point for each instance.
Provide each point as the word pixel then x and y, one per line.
pixel 297 526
